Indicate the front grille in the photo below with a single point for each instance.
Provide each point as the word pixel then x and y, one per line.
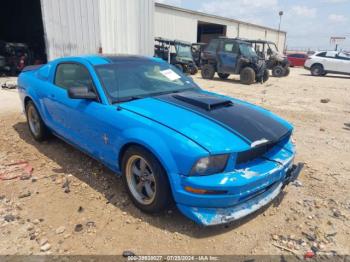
pixel 256 152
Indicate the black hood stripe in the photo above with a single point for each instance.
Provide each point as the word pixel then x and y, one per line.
pixel 248 123
pixel 206 116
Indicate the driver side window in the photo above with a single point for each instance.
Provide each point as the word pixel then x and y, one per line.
pixel 73 75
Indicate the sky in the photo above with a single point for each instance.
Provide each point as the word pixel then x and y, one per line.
pixel 309 24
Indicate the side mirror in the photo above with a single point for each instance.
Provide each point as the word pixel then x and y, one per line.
pixel 81 93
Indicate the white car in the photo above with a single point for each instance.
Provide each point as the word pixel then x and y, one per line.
pixel 324 62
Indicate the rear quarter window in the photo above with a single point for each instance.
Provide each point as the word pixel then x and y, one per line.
pixel 322 54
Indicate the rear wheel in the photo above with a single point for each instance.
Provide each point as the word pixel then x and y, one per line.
pixel 317 70
pixel 247 76
pixel 208 71
pixel 223 76
pixel 35 123
pixel 278 71
pixel 194 70
pixel 145 180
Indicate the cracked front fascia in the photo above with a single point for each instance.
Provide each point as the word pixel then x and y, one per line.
pixel 224 215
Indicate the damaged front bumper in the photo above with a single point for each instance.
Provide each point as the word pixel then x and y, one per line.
pixel 216 216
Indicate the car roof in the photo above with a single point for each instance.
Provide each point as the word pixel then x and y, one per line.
pixel 109 59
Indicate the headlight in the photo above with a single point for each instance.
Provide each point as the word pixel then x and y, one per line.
pixel 209 165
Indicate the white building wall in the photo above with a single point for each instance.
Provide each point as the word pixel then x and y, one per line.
pixel 232 30
pixel 83 26
pixel 172 24
pixel 127 26
pixel 71 27
pixel 251 32
pixel 176 23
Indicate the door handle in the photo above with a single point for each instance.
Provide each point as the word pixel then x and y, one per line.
pixel 52 95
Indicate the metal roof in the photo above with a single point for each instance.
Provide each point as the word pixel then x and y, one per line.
pixel 215 16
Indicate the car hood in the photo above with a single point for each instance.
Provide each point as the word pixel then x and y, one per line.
pixel 219 124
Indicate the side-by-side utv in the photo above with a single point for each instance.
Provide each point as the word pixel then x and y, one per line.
pixel 177 53
pixel 226 56
pixel 275 61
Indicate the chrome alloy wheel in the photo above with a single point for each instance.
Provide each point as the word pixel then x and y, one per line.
pixel 140 180
pixel 34 121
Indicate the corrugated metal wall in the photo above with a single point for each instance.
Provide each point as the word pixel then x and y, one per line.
pixel 182 25
pixel 175 25
pixel 127 26
pixel 83 26
pixel 71 27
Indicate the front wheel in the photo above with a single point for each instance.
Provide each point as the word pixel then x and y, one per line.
pixel 145 180
pixel 36 125
pixel 247 76
pixel 317 70
pixel 278 71
pixel 223 76
pixel 208 71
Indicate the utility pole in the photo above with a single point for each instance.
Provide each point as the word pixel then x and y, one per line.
pixel 280 13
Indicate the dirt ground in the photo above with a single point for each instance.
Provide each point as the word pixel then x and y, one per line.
pixel 39 215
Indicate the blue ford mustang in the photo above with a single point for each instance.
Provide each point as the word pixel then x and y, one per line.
pixel 217 157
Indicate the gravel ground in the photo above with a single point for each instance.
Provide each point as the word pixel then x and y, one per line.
pixel 73 205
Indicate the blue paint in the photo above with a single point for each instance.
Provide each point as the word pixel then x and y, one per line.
pixel 177 136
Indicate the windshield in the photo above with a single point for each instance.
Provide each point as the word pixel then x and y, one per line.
pixel 247 50
pixel 183 51
pixel 127 80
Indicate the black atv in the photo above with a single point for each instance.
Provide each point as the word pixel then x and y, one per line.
pixel 275 61
pixel 177 53
pixel 13 58
pixel 226 56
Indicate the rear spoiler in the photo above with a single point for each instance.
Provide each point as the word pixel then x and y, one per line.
pixel 31 68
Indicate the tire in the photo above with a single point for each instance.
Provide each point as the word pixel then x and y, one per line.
pixel 247 76
pixel 35 123
pixel 317 70
pixel 223 76
pixel 324 73
pixel 278 71
pixel 154 179
pixel 266 75
pixel 194 70
pixel 286 71
pixel 208 71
